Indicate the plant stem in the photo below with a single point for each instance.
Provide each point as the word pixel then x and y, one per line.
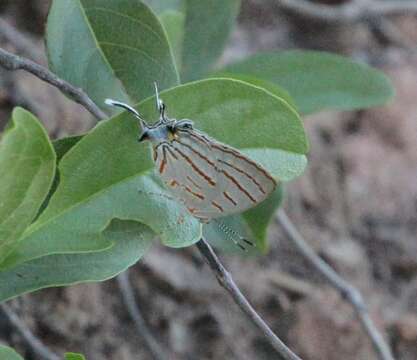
pixel 37 346
pixel 349 12
pixel 21 42
pixel 346 290
pixel 137 317
pixel 226 281
pixel 13 62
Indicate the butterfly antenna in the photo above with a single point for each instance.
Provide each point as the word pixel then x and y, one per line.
pixel 160 106
pixel 127 107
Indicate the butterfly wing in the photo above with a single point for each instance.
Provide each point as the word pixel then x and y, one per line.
pixel 211 178
pixel 241 182
pixel 186 168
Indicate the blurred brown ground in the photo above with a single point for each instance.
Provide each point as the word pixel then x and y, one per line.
pixel 356 205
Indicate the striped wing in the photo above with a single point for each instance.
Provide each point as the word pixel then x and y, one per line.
pixel 211 178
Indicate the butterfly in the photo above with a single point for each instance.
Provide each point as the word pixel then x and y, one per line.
pixel 212 179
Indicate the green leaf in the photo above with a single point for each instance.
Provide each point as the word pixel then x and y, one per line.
pixel 112 48
pixel 236 113
pixel 197 30
pixel 7 353
pixel 174 22
pixel 106 174
pixel 319 80
pixel 62 146
pixel 171 13
pixel 74 356
pixel 267 85
pixel 27 163
pixel 207 28
pixel 284 165
pixel 259 218
pixel 131 240
pixel 161 6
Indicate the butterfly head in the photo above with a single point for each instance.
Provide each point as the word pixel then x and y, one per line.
pixel 165 130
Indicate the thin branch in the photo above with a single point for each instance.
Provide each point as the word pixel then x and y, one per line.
pixel 22 43
pixel 137 317
pixel 352 11
pixel 346 290
pixel 385 31
pixel 37 346
pixel 226 281
pixel 13 62
pixel 291 284
pixel 398 7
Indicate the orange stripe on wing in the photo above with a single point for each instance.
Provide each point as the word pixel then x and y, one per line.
pixel 163 161
pixel 196 194
pixel 242 157
pixel 205 158
pixel 205 141
pixel 239 186
pixel 155 150
pixel 190 179
pixel 195 167
pixel 228 197
pixel 173 183
pixel 216 205
pixel 221 147
pixel 250 177
pixel 191 210
pixel 171 152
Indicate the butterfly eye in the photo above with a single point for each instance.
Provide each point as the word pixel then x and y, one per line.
pixel 186 125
